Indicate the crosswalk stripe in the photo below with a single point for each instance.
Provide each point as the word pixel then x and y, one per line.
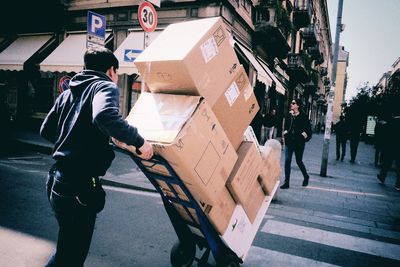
pixel 338 240
pixel 333 221
pixel 259 257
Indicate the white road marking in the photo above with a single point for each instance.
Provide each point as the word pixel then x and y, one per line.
pixel 131 191
pixel 259 257
pixel 338 240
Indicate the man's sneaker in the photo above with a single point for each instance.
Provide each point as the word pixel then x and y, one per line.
pixel 380 179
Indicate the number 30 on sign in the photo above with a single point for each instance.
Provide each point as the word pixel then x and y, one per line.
pixel 147 16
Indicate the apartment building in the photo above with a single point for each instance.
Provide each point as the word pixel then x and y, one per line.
pixel 285 47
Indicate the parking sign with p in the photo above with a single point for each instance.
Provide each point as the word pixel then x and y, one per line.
pixel 96 30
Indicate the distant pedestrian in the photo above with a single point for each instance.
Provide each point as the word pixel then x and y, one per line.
pixel 80 125
pixel 341 132
pixel 296 133
pixel 379 136
pixel 269 123
pixel 354 122
pixel 390 150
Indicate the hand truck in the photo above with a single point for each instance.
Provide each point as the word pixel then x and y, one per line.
pixel 192 234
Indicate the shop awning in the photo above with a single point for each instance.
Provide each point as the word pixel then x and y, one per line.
pixel 130 49
pixel 22 49
pixel 68 56
pixel 262 75
pixel 278 85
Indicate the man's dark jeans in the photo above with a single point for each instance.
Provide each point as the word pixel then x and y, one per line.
pixel 340 143
pixel 76 223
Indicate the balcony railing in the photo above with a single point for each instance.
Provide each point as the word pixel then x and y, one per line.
pixel 296 68
pixel 301 13
pixel 272 26
pixel 309 36
pixel 323 71
pixel 326 81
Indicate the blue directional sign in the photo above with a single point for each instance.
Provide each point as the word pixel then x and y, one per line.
pixel 96 29
pixel 131 54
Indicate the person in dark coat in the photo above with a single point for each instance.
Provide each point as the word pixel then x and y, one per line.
pixel 341 137
pixel 80 125
pixel 354 123
pixel 379 139
pixel 296 133
pixel 269 123
pixel 390 150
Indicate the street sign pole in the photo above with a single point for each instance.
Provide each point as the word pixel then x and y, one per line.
pixel 96 30
pixel 145 44
pixel 148 20
pixel 331 95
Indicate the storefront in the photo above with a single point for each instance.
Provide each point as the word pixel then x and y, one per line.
pixel 25 92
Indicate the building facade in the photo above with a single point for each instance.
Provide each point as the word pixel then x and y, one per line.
pixel 284 45
pixel 341 83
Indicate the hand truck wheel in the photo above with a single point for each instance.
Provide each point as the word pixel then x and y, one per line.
pixel 228 261
pixel 182 254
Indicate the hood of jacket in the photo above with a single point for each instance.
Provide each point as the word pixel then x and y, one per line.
pixel 82 80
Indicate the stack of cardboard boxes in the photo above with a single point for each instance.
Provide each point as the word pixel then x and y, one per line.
pixel 199 106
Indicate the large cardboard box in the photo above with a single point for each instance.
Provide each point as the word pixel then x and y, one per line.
pixel 194 58
pixel 185 132
pixel 236 107
pixel 245 172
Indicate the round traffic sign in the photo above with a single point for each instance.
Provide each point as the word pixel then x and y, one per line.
pixel 147 16
pixel 63 85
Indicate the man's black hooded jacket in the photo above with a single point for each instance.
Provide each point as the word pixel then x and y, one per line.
pixel 81 122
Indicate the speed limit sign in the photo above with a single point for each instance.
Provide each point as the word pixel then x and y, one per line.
pixel 147 17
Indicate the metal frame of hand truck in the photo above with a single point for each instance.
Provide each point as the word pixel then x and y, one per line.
pixel 209 238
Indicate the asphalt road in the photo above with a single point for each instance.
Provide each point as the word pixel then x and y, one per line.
pixel 134 229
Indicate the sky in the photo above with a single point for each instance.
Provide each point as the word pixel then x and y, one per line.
pixel 371 36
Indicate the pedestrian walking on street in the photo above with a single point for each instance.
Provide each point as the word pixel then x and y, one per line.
pixel 390 149
pixel 296 133
pixel 269 123
pixel 341 137
pixel 354 122
pixel 80 125
pixel 379 137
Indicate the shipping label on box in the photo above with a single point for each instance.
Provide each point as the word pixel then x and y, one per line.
pixel 249 135
pixel 238 234
pixel 236 108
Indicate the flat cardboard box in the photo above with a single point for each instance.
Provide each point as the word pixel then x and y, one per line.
pixel 270 171
pixel 253 203
pixel 219 214
pixel 193 58
pixel 236 107
pixel 245 172
pixel 186 133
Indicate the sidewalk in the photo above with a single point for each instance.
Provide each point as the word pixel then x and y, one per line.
pixel 349 190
